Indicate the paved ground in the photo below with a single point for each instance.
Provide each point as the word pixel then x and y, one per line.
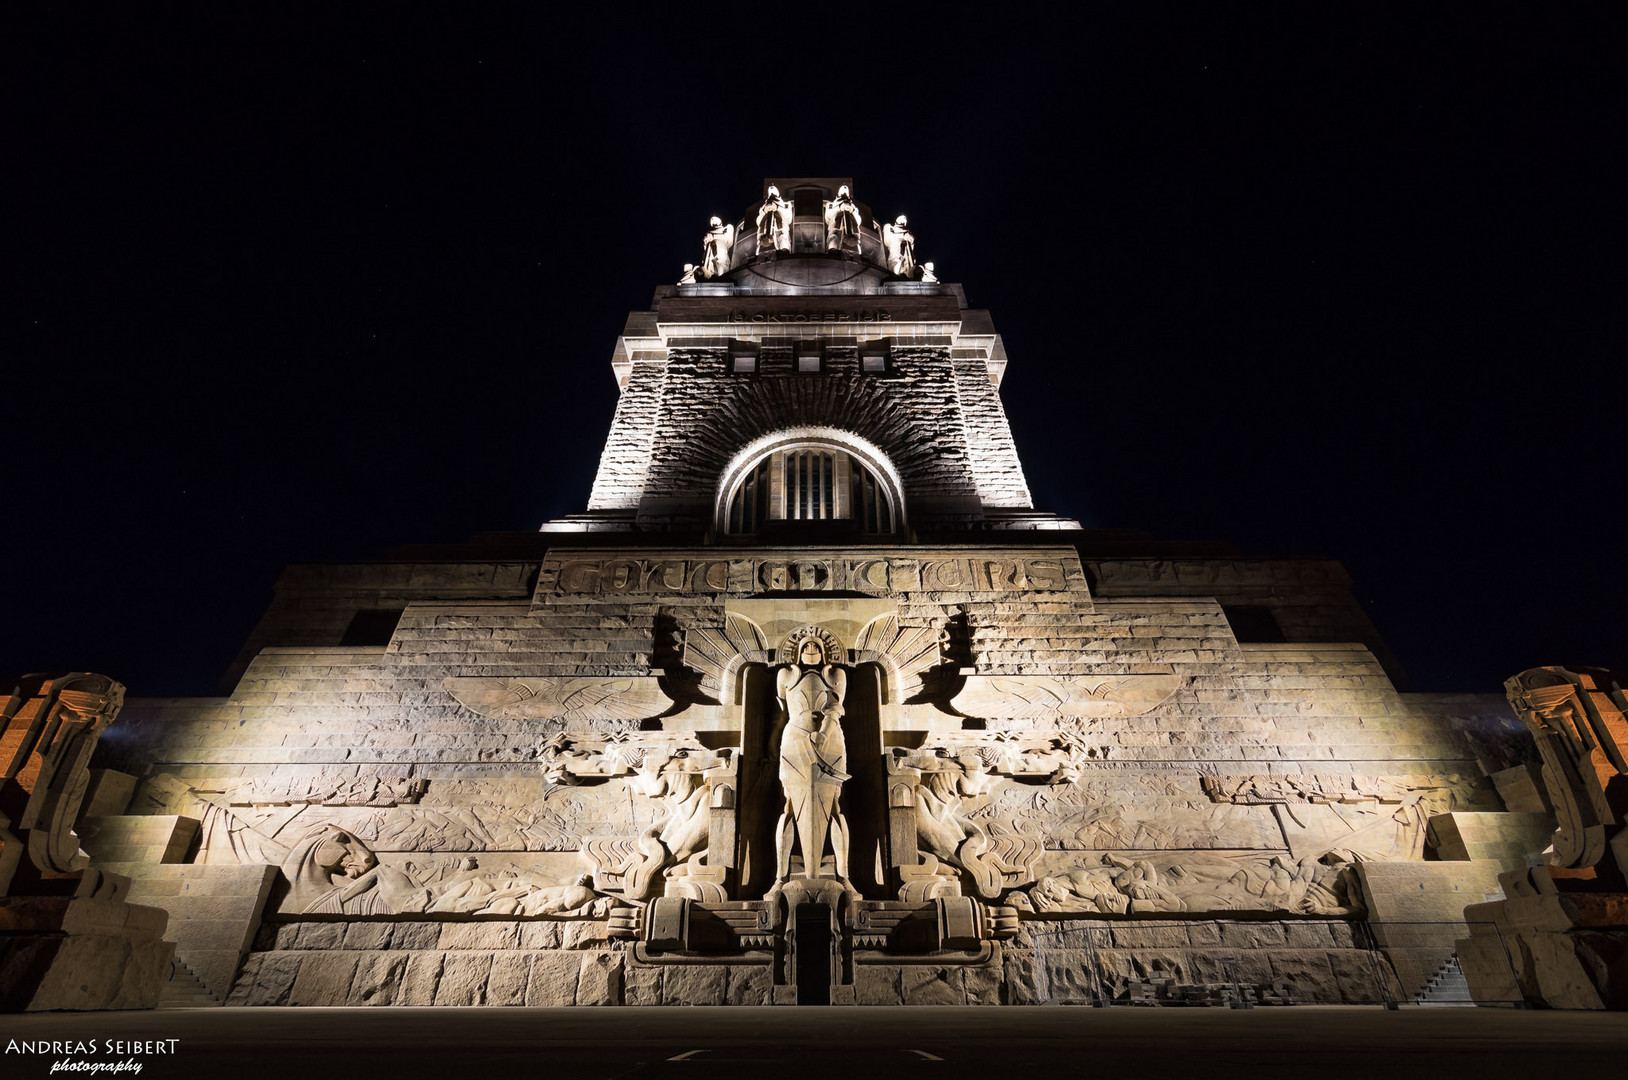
pixel 1315 1043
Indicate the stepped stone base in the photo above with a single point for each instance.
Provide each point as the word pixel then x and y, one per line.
pixel 571 962
pixel 80 953
pixel 1513 841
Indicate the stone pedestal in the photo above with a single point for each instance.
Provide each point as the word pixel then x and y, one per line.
pixel 1568 949
pixel 60 952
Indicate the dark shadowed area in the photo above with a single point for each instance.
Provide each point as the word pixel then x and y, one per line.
pixel 1338 282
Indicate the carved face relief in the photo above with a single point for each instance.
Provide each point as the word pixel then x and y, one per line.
pixel 343 854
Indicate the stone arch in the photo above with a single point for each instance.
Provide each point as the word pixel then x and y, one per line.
pixel 813 437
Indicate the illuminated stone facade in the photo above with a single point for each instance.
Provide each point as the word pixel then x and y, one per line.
pixel 810 603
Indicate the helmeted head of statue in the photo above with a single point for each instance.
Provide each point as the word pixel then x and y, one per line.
pixel 843 192
pixel 716 222
pixel 811 652
pixel 774 193
pixel 900 221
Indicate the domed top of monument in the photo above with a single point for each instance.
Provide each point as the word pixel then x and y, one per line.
pixel 808 234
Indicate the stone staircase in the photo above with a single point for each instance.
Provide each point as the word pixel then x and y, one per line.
pixel 1447 988
pixel 213 909
pixel 184 990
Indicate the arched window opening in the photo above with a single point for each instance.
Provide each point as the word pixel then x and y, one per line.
pixel 810 483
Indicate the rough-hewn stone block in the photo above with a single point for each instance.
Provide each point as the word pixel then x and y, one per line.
pixel 599 980
pixel 463 978
pixel 324 979
pixel 878 984
pixel 553 979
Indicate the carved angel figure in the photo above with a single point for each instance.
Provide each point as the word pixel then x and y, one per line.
pixel 813 764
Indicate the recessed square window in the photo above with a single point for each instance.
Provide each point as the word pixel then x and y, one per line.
pixel 744 363
pixel 809 365
pixel 372 626
pixel 873 362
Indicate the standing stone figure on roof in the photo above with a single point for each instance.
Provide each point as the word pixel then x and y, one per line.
pixel 842 222
pixel 773 223
pixel 899 247
pixel 813 764
pixel 718 245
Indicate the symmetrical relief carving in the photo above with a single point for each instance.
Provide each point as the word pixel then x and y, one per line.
pixel 1578 721
pixel 905 653
pixel 942 817
pixel 1200 882
pixel 1377 817
pixel 569 698
pixel 48 728
pixel 692 836
pixel 1050 696
pixel 719 652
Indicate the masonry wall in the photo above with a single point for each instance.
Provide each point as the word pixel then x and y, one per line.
pixel 684 414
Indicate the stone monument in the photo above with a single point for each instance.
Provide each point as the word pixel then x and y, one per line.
pixel 812 705
pixel 68 937
pixel 1564 922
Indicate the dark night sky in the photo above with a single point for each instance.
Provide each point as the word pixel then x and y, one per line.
pixel 1314 280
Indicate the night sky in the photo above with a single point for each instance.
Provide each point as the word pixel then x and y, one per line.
pixel 1318 280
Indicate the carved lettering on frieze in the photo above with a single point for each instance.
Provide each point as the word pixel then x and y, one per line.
pixel 872 576
pixel 863 315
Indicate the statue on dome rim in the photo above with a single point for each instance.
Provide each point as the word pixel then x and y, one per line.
pixel 773 223
pixel 898 247
pixel 842 222
pixel 718 246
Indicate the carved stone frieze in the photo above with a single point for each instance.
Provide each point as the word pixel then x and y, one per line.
pixel 324 788
pixel 1377 817
pixel 1047 696
pixel 1199 882
pixel 993 571
pixel 692 835
pixel 330 871
pixel 940 812
pixel 569 698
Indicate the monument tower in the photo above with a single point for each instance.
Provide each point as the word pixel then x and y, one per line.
pixel 810 705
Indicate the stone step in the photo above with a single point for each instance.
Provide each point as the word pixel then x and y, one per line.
pixel 184 990
pixel 1447 988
